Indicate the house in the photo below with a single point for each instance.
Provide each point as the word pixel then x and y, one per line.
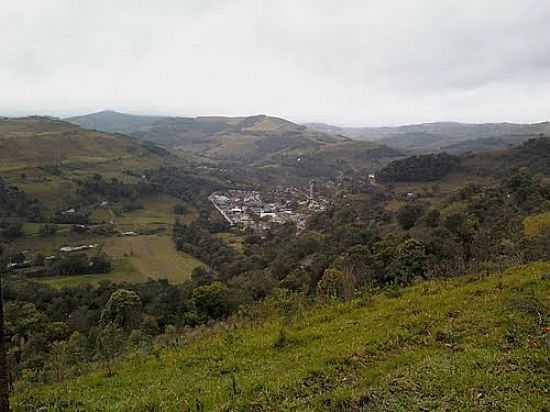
pixel 68 249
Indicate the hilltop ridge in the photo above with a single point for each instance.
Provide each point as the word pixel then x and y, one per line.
pixel 454 137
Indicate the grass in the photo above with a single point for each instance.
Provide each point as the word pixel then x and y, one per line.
pixel 123 271
pixel 153 256
pixel 536 224
pixel 470 344
pixel 233 240
pixel 135 259
pixel 28 145
pixel 31 229
pixel 157 210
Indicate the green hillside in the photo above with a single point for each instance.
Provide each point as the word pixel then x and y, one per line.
pixel 252 138
pixel 48 166
pixel 43 156
pixel 36 141
pixel 475 343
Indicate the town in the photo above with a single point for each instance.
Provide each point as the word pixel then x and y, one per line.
pixel 248 210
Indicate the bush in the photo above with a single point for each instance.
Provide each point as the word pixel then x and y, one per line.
pixel 335 284
pixel 408 215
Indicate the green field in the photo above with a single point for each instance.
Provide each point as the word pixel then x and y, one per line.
pixel 153 256
pixel 123 271
pixel 475 343
pixel 136 259
pixel 536 224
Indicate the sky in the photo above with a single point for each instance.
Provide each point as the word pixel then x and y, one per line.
pixel 345 62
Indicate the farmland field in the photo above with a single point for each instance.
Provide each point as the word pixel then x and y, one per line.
pixel 536 224
pixel 123 271
pixel 135 259
pixel 153 256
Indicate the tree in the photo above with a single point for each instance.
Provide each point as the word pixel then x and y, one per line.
pixel 180 209
pixel 109 345
pixel 124 309
pixel 421 168
pixel 432 218
pixel 202 275
pixel 211 300
pixel 410 261
pixel 359 262
pixel 59 360
pixel 297 280
pixel 12 230
pixel 336 284
pixel 408 215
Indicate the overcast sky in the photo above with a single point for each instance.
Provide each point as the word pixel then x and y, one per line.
pixel 344 62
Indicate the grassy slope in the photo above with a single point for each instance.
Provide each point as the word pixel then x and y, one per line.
pixel 468 344
pixel 29 144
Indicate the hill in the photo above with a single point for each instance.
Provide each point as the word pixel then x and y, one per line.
pixel 42 156
pixel 487 144
pixel 252 138
pixel 476 343
pixel 114 122
pixel 433 137
pixel 532 156
pixel 38 141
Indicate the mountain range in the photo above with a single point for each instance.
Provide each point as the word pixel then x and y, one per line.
pixel 452 137
pixel 243 138
pixel 253 140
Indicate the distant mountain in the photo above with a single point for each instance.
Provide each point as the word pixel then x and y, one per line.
pixel 250 138
pixel 113 122
pixel 532 155
pixel 434 137
pixel 486 144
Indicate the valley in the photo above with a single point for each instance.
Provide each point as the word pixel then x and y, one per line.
pixel 260 236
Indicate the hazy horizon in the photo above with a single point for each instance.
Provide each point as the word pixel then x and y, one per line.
pixel 359 126
pixel 365 63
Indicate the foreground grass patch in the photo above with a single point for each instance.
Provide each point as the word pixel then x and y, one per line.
pixel 466 344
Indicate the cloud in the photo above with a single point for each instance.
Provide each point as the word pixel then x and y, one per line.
pixel 353 62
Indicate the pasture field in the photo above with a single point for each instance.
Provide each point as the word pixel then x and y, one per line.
pixel 156 210
pixel 123 271
pixel 153 256
pixel 135 259
pixel 536 224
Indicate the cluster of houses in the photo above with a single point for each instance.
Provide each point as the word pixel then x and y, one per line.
pixel 247 209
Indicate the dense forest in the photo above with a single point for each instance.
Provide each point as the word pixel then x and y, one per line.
pixel 421 168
